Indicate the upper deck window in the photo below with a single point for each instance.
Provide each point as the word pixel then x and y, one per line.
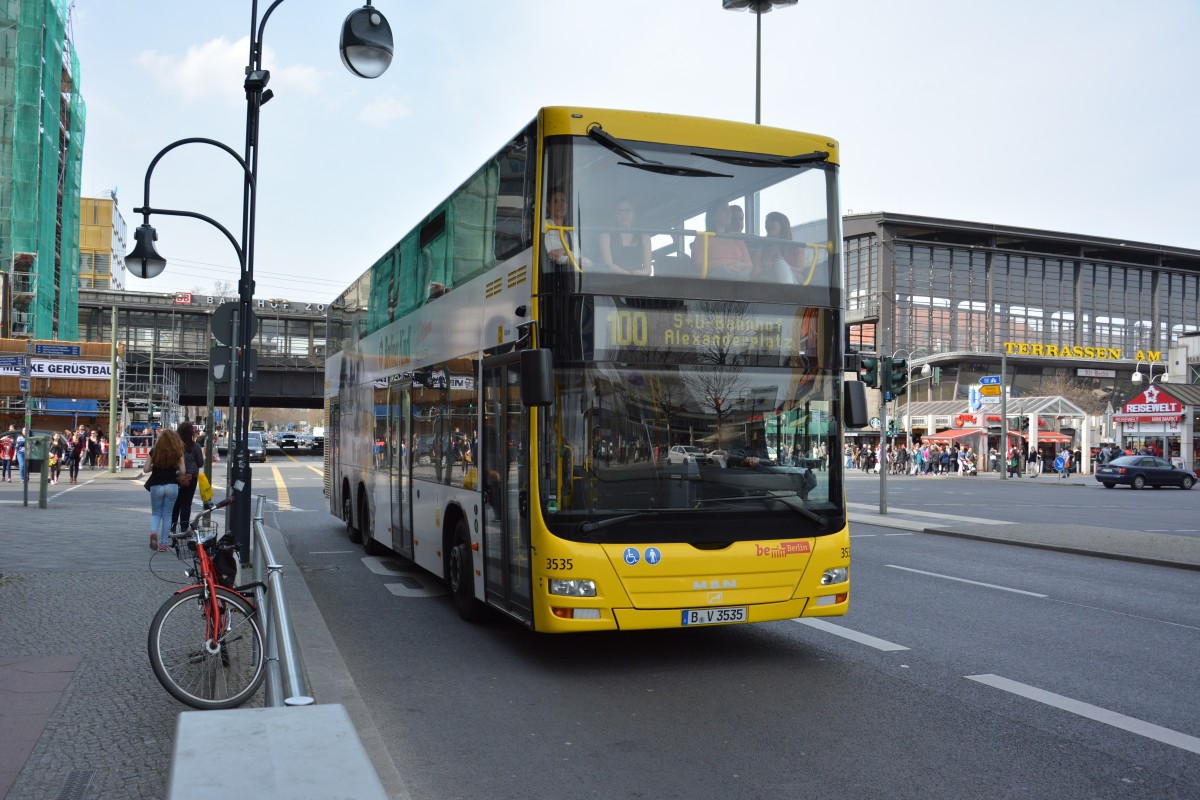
pixel 687 212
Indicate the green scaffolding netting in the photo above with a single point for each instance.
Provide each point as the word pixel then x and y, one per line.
pixel 42 117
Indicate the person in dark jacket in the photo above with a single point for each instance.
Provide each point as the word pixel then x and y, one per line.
pixel 193 460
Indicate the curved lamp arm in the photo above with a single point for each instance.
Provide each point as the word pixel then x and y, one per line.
pixel 179 143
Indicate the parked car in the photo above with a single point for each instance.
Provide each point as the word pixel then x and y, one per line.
pixel 719 457
pixel 685 454
pixel 1137 472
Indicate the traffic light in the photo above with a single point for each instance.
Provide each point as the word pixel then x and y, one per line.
pixel 937 376
pixel 897 376
pixel 868 370
pixel 891 427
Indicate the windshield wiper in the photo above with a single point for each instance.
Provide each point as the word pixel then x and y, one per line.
pixel 639 161
pixel 588 527
pixel 783 497
pixel 767 161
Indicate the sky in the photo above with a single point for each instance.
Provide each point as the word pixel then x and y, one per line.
pixel 1078 116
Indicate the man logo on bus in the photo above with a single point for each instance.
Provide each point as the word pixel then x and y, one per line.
pixel 715 583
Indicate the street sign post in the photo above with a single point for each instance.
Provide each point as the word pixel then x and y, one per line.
pixel 989 390
pixel 70 350
pixel 990 380
pixel 11 362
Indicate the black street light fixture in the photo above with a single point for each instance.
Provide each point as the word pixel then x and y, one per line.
pixel 366 50
pixel 757 8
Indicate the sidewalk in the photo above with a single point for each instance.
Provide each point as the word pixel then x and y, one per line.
pixel 81 713
pixel 1160 549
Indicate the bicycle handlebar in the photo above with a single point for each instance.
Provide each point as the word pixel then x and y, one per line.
pixel 191 531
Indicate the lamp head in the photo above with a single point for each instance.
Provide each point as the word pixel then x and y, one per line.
pixel 144 260
pixel 755 6
pixel 366 42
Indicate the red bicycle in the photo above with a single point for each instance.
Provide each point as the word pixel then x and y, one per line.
pixel 206 644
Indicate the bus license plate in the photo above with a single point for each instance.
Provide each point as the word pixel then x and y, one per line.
pixel 713 616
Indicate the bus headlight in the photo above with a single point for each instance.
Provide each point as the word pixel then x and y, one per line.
pixel 835 575
pixel 573 588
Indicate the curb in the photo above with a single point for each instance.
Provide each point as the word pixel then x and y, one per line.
pixel 1063 548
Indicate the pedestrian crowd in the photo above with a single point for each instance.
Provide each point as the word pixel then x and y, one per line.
pixel 952 458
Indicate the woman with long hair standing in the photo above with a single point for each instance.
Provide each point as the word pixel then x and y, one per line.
pixel 164 465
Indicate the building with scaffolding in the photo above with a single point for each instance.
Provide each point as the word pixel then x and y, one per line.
pixel 42 120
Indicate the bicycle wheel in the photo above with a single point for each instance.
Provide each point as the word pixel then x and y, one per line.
pixel 204 675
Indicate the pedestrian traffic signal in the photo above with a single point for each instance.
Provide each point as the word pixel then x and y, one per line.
pixel 897 376
pixel 891 427
pixel 868 371
pixel 937 376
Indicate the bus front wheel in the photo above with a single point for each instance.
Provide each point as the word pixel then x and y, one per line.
pixel 460 574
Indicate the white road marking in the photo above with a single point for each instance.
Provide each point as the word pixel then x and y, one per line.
pixel 964 580
pixel 932 514
pixel 846 633
pixel 1142 728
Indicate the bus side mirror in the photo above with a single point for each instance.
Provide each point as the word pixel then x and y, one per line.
pixel 537 378
pixel 854 404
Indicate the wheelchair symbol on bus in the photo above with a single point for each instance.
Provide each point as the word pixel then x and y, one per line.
pixel 632 556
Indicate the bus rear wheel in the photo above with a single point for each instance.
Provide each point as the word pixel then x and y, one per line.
pixel 460 573
pixel 366 526
pixel 348 514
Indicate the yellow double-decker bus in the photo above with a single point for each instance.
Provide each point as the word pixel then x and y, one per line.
pixel 600 386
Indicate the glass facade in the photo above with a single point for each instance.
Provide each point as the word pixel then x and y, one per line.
pixel 962 288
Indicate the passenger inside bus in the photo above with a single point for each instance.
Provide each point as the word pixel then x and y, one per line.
pixel 721 256
pixel 623 250
pixel 560 243
pixel 778 260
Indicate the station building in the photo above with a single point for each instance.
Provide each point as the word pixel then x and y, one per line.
pixel 1057 309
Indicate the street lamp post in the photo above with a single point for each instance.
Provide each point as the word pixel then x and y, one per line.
pixel 366 50
pixel 758 8
pixel 1137 371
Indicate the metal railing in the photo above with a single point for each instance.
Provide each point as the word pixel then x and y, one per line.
pixel 285 683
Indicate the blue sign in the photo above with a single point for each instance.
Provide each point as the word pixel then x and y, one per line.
pixel 1060 464
pixel 217 416
pixel 653 556
pixel 24 386
pixel 12 361
pixel 974 399
pixel 632 556
pixel 990 380
pixel 57 350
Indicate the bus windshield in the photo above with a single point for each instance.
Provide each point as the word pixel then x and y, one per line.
pixel 683 413
pixel 668 211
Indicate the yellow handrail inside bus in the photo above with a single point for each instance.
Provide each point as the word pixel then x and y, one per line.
pixel 563 230
pixel 704 263
pixel 816 250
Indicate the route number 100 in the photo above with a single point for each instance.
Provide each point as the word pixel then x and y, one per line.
pixel 629 328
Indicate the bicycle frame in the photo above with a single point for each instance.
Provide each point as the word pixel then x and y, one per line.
pixel 203 569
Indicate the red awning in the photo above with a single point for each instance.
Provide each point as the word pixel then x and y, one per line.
pixel 953 435
pixel 1045 436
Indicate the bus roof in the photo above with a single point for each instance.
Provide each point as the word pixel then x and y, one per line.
pixel 683 130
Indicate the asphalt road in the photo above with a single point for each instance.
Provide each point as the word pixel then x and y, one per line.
pixel 964 669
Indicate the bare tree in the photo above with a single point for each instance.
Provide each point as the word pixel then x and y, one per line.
pixel 1088 396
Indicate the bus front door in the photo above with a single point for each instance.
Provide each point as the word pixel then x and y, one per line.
pixel 399 455
pixel 503 477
